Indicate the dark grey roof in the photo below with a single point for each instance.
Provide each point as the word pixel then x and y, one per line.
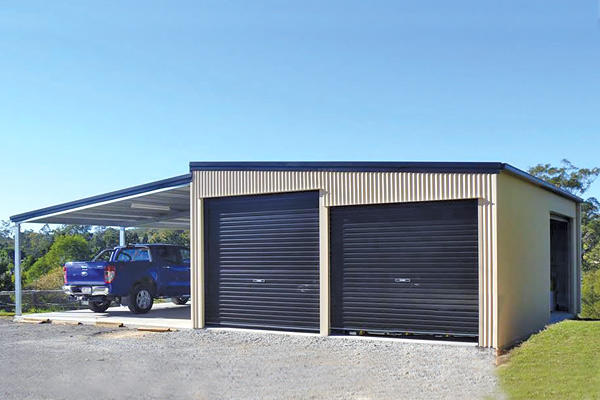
pixel 353 166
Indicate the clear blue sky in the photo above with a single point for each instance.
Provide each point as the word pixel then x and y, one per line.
pixel 97 96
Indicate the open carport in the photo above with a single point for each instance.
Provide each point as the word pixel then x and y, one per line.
pixel 159 204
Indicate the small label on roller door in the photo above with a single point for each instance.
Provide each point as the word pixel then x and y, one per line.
pixel 402 280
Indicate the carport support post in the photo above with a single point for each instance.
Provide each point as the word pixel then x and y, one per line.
pixel 18 294
pixel 324 296
pixel 122 236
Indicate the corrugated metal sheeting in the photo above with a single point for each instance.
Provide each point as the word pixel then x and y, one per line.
pixel 356 188
pixel 346 188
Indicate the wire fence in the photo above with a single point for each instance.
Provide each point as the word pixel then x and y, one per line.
pixel 39 300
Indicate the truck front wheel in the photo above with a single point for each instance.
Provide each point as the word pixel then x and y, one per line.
pixel 141 300
pixel 99 306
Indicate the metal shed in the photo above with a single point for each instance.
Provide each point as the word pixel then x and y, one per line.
pixel 392 248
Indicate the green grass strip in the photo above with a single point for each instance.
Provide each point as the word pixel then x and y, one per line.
pixel 562 362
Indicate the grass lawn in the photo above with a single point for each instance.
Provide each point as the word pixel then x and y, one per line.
pixel 562 362
pixel 4 313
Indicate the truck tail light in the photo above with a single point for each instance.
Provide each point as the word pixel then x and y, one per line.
pixel 65 274
pixel 109 273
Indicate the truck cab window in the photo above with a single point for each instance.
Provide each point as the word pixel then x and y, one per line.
pixel 185 256
pixel 142 255
pixel 126 255
pixel 170 254
pixel 103 256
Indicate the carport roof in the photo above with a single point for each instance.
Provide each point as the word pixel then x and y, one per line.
pixel 159 204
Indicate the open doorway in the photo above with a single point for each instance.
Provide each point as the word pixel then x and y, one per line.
pixel 560 265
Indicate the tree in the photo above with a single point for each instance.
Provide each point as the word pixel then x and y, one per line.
pixel 590 295
pixel 167 236
pixel 591 259
pixel 52 280
pixel 6 268
pixel 36 243
pixel 104 238
pixel 590 235
pixel 132 236
pixel 568 177
pixel 6 232
pixel 577 181
pixel 82 230
pixel 65 248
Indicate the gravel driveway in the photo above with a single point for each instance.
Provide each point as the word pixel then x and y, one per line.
pixel 65 362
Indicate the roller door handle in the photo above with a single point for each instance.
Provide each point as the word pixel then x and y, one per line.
pixel 402 280
pixel 259 280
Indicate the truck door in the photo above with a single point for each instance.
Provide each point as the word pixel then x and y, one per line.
pixel 174 273
pixel 140 261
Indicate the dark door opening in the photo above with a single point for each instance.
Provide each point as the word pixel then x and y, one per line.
pixel 560 276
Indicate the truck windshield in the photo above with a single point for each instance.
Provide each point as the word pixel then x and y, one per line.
pixel 104 255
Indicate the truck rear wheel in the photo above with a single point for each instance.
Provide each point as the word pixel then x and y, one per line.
pixel 141 300
pixel 99 306
pixel 179 300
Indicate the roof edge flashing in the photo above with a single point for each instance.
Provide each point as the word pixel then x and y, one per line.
pixel 350 166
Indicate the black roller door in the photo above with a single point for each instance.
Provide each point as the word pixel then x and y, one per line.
pixel 262 261
pixel 405 268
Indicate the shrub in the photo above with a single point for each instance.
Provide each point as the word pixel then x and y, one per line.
pixel 52 280
pixel 64 248
pixel 590 295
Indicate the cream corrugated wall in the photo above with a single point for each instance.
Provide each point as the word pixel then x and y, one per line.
pixel 355 188
pixel 194 256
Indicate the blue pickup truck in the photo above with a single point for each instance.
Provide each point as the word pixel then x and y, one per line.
pixel 132 275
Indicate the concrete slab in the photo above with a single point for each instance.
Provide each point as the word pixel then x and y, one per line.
pixel 351 337
pixel 167 315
